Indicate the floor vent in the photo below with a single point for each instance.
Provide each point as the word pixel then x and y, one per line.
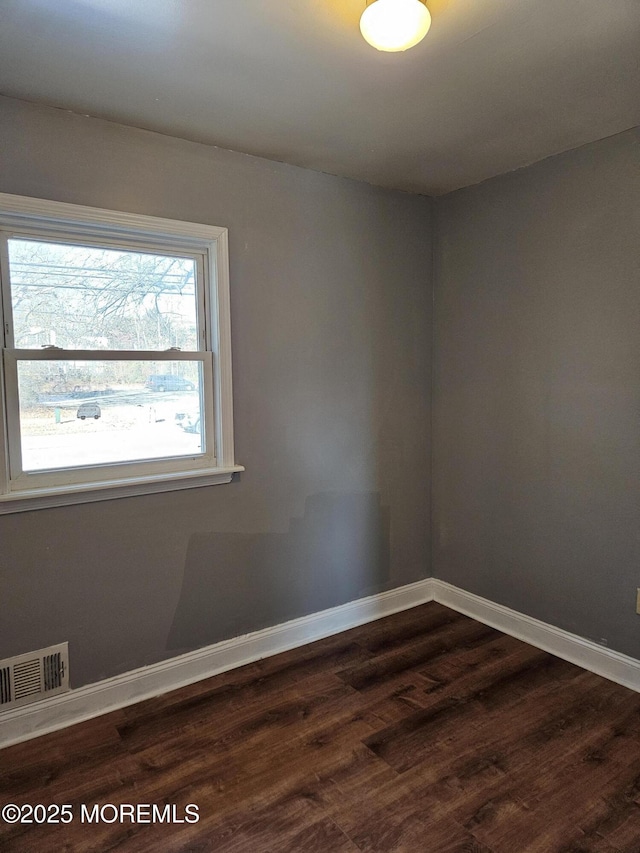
pixel 36 675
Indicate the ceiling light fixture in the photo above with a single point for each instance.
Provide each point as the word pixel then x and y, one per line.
pixel 393 25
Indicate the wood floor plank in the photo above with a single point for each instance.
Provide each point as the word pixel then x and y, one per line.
pixel 391 818
pixel 402 627
pixel 407 743
pixel 477 663
pixel 293 824
pixel 471 790
pixel 620 829
pixel 520 785
pixel 397 660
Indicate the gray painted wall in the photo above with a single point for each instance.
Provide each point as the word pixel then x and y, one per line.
pixel 536 443
pixel 331 327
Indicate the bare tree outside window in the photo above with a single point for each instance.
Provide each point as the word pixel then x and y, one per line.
pixel 82 297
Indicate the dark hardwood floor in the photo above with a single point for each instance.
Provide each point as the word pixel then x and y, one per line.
pixel 425 732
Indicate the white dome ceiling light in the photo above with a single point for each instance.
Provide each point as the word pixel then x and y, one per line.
pixel 394 25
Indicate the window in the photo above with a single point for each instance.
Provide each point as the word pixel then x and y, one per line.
pixel 116 361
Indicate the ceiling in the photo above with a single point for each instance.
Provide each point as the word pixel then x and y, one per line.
pixel 496 84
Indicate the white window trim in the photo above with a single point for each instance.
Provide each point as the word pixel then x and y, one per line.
pixel 213 241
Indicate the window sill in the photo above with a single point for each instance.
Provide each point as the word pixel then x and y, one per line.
pixel 108 490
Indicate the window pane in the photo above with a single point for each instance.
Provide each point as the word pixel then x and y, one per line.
pixel 84 297
pixel 77 413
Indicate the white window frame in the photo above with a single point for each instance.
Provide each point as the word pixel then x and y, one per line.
pixel 19 491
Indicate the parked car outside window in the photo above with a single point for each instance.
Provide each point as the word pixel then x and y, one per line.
pixel 88 410
pixel 168 382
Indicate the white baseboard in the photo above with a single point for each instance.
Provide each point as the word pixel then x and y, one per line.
pixel 570 647
pixel 95 699
pixel 66 709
